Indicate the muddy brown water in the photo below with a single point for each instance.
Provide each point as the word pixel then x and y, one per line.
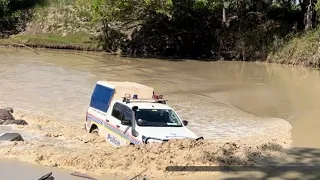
pixel 220 99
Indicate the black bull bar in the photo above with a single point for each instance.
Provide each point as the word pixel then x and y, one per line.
pixel 166 140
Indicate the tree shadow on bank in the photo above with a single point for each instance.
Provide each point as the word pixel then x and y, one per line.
pixel 293 163
pixel 301 163
pixel 298 163
pixel 14 15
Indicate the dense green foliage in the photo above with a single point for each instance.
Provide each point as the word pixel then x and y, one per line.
pixel 197 29
pixel 240 29
pixel 14 14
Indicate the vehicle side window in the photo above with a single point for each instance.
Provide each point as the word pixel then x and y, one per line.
pixel 173 117
pixel 127 114
pixel 117 112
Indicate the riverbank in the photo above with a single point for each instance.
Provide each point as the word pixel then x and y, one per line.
pixel 192 30
pixel 302 50
pixel 76 41
pixel 195 30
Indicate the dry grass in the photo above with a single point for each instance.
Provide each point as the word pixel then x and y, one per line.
pixel 301 50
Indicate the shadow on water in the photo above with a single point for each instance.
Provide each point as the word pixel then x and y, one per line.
pixel 149 57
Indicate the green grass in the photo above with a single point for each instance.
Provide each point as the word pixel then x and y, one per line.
pixel 300 50
pixel 54 38
pixel 60 2
pixel 72 41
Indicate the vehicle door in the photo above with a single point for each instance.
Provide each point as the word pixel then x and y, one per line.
pixel 120 112
pixel 127 116
pixel 114 135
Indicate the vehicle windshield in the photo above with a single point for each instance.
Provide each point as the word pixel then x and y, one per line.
pixel 157 118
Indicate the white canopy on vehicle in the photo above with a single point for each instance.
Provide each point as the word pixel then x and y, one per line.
pixel 123 88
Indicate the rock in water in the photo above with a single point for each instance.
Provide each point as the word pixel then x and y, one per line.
pixel 11 137
pixel 21 122
pixel 47 177
pixel 5 115
pixel 10 109
pixel 17 122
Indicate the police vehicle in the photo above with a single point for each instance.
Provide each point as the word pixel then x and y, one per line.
pixel 127 113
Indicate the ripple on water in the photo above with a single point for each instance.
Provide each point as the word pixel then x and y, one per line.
pixel 221 122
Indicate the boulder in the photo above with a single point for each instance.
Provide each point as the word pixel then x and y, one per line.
pixel 47 177
pixel 17 122
pixel 10 109
pixel 6 117
pixel 5 114
pixel 11 137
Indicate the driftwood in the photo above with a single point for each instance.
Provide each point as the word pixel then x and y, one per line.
pixel 13 47
pixel 20 45
pixel 82 175
pixel 139 175
pixel 27 48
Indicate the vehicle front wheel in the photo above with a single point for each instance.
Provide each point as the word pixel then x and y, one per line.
pixel 95 131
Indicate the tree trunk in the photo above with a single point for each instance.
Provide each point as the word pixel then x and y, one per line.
pixel 310 14
pixel 224 18
pixel 224 13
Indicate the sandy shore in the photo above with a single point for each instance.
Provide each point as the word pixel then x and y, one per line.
pixel 67 147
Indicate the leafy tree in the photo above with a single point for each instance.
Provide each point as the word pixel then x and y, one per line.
pixel 14 14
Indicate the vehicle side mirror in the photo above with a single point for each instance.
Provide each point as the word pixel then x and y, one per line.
pixel 185 122
pixel 134 108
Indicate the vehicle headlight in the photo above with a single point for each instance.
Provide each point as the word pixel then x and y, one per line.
pixel 154 141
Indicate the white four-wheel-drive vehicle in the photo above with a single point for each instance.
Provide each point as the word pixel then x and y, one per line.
pixel 127 113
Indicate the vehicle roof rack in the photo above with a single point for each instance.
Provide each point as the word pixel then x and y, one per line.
pixel 130 100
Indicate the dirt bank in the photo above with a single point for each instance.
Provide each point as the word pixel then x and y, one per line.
pixel 67 146
pixel 49 46
pixel 77 41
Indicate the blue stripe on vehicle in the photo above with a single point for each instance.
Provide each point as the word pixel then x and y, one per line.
pixel 113 129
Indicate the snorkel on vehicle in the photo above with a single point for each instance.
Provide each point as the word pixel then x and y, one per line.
pixel 133 122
